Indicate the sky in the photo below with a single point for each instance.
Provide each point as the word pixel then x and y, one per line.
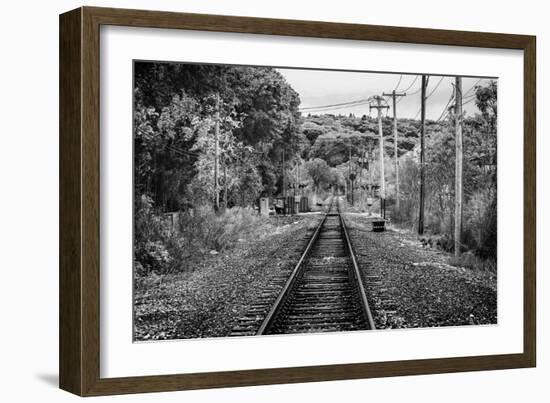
pixel 322 87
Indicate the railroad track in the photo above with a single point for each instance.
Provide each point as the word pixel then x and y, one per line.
pixel 324 292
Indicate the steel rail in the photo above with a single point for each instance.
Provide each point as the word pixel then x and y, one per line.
pixel 279 302
pixel 359 282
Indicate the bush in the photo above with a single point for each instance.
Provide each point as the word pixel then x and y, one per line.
pixel 471 261
pixel 150 252
pixel 206 230
pixel 480 223
pixel 160 249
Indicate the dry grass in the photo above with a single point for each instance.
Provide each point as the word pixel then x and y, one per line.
pixel 471 261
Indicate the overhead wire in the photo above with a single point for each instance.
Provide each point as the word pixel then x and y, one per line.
pixel 436 86
pixel 465 97
pixel 335 108
pixel 363 100
pixel 396 87
pixel 471 88
pixel 410 86
pixel 398 82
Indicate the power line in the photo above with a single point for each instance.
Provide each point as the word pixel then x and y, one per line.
pixel 468 99
pixel 386 97
pixel 429 95
pixel 339 106
pixel 435 88
pixel 416 92
pixel 410 86
pixel 399 82
pixel 445 115
pixel 445 109
pixel 356 102
pixel 334 108
pixel 472 87
pixel 334 105
pixel 363 101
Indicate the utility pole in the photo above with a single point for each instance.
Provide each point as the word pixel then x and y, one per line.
pixel 284 179
pixel 216 155
pixel 296 179
pixel 349 173
pixel 224 184
pixel 371 162
pixel 379 107
pixel 422 133
pixel 361 172
pixel 458 165
pixel 394 95
pixel 299 182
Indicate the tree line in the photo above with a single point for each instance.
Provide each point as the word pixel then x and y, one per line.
pixel 174 117
pixel 182 112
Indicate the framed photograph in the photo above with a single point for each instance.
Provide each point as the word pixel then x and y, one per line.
pixel 249 201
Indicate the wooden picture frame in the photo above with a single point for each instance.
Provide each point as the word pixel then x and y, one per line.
pixel 79 348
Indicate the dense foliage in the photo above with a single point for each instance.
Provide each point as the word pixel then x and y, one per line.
pixel 174 143
pixel 175 109
pixel 336 138
pixel 177 106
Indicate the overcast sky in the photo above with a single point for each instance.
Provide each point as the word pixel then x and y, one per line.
pixel 319 88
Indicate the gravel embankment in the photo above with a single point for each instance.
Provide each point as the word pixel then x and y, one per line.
pixel 207 301
pixel 413 286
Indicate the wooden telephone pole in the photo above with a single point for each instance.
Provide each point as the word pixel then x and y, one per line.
pixel 422 173
pixel 378 106
pixel 349 173
pixel 217 155
pixel 296 177
pixel 394 95
pixel 284 176
pixel 458 165
pixel 361 185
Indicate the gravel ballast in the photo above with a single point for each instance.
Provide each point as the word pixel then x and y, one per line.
pixel 409 285
pixel 207 301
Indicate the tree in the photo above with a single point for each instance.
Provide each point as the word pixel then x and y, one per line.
pixel 174 107
pixel 312 130
pixel 321 174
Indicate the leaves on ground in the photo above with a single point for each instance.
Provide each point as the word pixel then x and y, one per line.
pixel 207 301
pixel 417 287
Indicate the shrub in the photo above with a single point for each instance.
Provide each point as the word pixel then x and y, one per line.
pixel 471 261
pixel 208 230
pixel 480 223
pixel 150 252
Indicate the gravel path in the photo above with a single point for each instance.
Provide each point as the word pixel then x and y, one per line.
pixel 208 301
pixel 412 286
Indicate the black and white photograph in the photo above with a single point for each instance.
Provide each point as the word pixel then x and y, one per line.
pixel 277 201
